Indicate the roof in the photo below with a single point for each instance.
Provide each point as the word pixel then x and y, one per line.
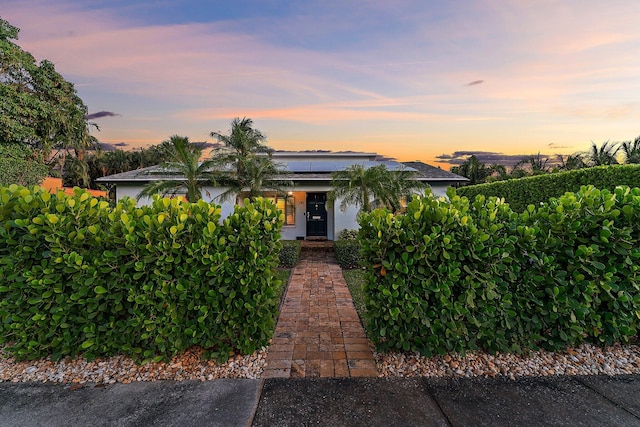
pixel 434 174
pixel 306 166
pixel 328 166
pixel 150 173
pixel 323 155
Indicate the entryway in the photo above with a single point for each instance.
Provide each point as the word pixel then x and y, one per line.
pixel 316 215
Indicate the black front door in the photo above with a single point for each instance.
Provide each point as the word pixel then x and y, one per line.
pixel 316 215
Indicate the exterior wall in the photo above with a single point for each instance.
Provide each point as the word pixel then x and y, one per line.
pixel 336 219
pixel 439 189
pixel 210 194
pixel 131 190
pixel 346 220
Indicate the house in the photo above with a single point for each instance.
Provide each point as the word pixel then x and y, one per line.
pixel 53 185
pixel 307 215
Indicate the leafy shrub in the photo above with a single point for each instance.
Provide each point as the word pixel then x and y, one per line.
pixel 347 249
pixel 18 166
pixel 289 253
pixel 347 253
pixel 347 234
pixel 520 193
pixel 82 277
pixel 453 276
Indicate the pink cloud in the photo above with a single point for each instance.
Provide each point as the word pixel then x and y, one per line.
pixel 543 62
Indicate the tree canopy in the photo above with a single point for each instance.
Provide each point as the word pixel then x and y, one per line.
pixel 373 187
pixel 476 171
pixel 18 166
pixel 38 107
pixel 607 153
pixel 191 174
pixel 244 163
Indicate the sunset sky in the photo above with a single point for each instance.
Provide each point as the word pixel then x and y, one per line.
pixel 409 79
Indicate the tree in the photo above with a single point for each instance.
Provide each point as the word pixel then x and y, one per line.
pixel 537 165
pixel 38 107
pixel 85 142
pixel 401 185
pixel 631 151
pixel 244 140
pixel 498 173
pixel 571 162
pixel 476 171
pixel 372 187
pixel 259 175
pixel 244 162
pixel 76 173
pixel 190 174
pixel 602 155
pixel 18 165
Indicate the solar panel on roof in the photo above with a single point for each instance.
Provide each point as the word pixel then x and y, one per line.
pixel 297 166
pixel 328 166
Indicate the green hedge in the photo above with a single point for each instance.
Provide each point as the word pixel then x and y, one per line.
pixel 347 249
pixel 454 276
pixel 520 193
pixel 347 253
pixel 80 277
pixel 289 253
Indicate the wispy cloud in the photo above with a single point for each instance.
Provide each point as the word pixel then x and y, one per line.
pixel 361 72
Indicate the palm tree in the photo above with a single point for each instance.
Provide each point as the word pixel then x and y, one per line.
pixel 243 142
pixel 401 185
pixel 75 173
pixel 603 155
pixel 358 186
pixel 571 162
pixel 498 173
pixel 85 140
pixel 244 163
pixel 474 170
pixel 190 174
pixel 259 175
pixel 538 164
pixel 631 151
pixel 372 187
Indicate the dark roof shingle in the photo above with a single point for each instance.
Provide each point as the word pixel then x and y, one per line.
pixel 433 173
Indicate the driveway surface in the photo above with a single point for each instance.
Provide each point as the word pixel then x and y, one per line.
pixel 548 401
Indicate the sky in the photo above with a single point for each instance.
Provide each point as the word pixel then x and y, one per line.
pixel 408 79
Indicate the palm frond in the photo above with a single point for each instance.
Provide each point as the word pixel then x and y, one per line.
pixel 164 188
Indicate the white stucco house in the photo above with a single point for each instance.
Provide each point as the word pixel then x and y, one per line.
pixel 307 215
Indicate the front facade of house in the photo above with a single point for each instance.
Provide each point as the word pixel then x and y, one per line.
pixel 307 214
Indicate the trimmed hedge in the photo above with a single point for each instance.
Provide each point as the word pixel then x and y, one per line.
pixel 347 253
pixel 347 249
pixel 289 253
pixel 454 276
pixel 81 277
pixel 520 193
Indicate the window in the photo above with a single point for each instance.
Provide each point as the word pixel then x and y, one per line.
pixel 287 204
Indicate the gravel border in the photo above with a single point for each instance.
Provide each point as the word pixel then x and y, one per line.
pixel 185 366
pixel 583 360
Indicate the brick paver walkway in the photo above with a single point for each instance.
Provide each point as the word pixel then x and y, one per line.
pixel 319 333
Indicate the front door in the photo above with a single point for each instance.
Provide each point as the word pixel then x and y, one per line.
pixel 316 215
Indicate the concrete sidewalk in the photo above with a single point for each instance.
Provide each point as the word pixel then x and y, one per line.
pixel 560 401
